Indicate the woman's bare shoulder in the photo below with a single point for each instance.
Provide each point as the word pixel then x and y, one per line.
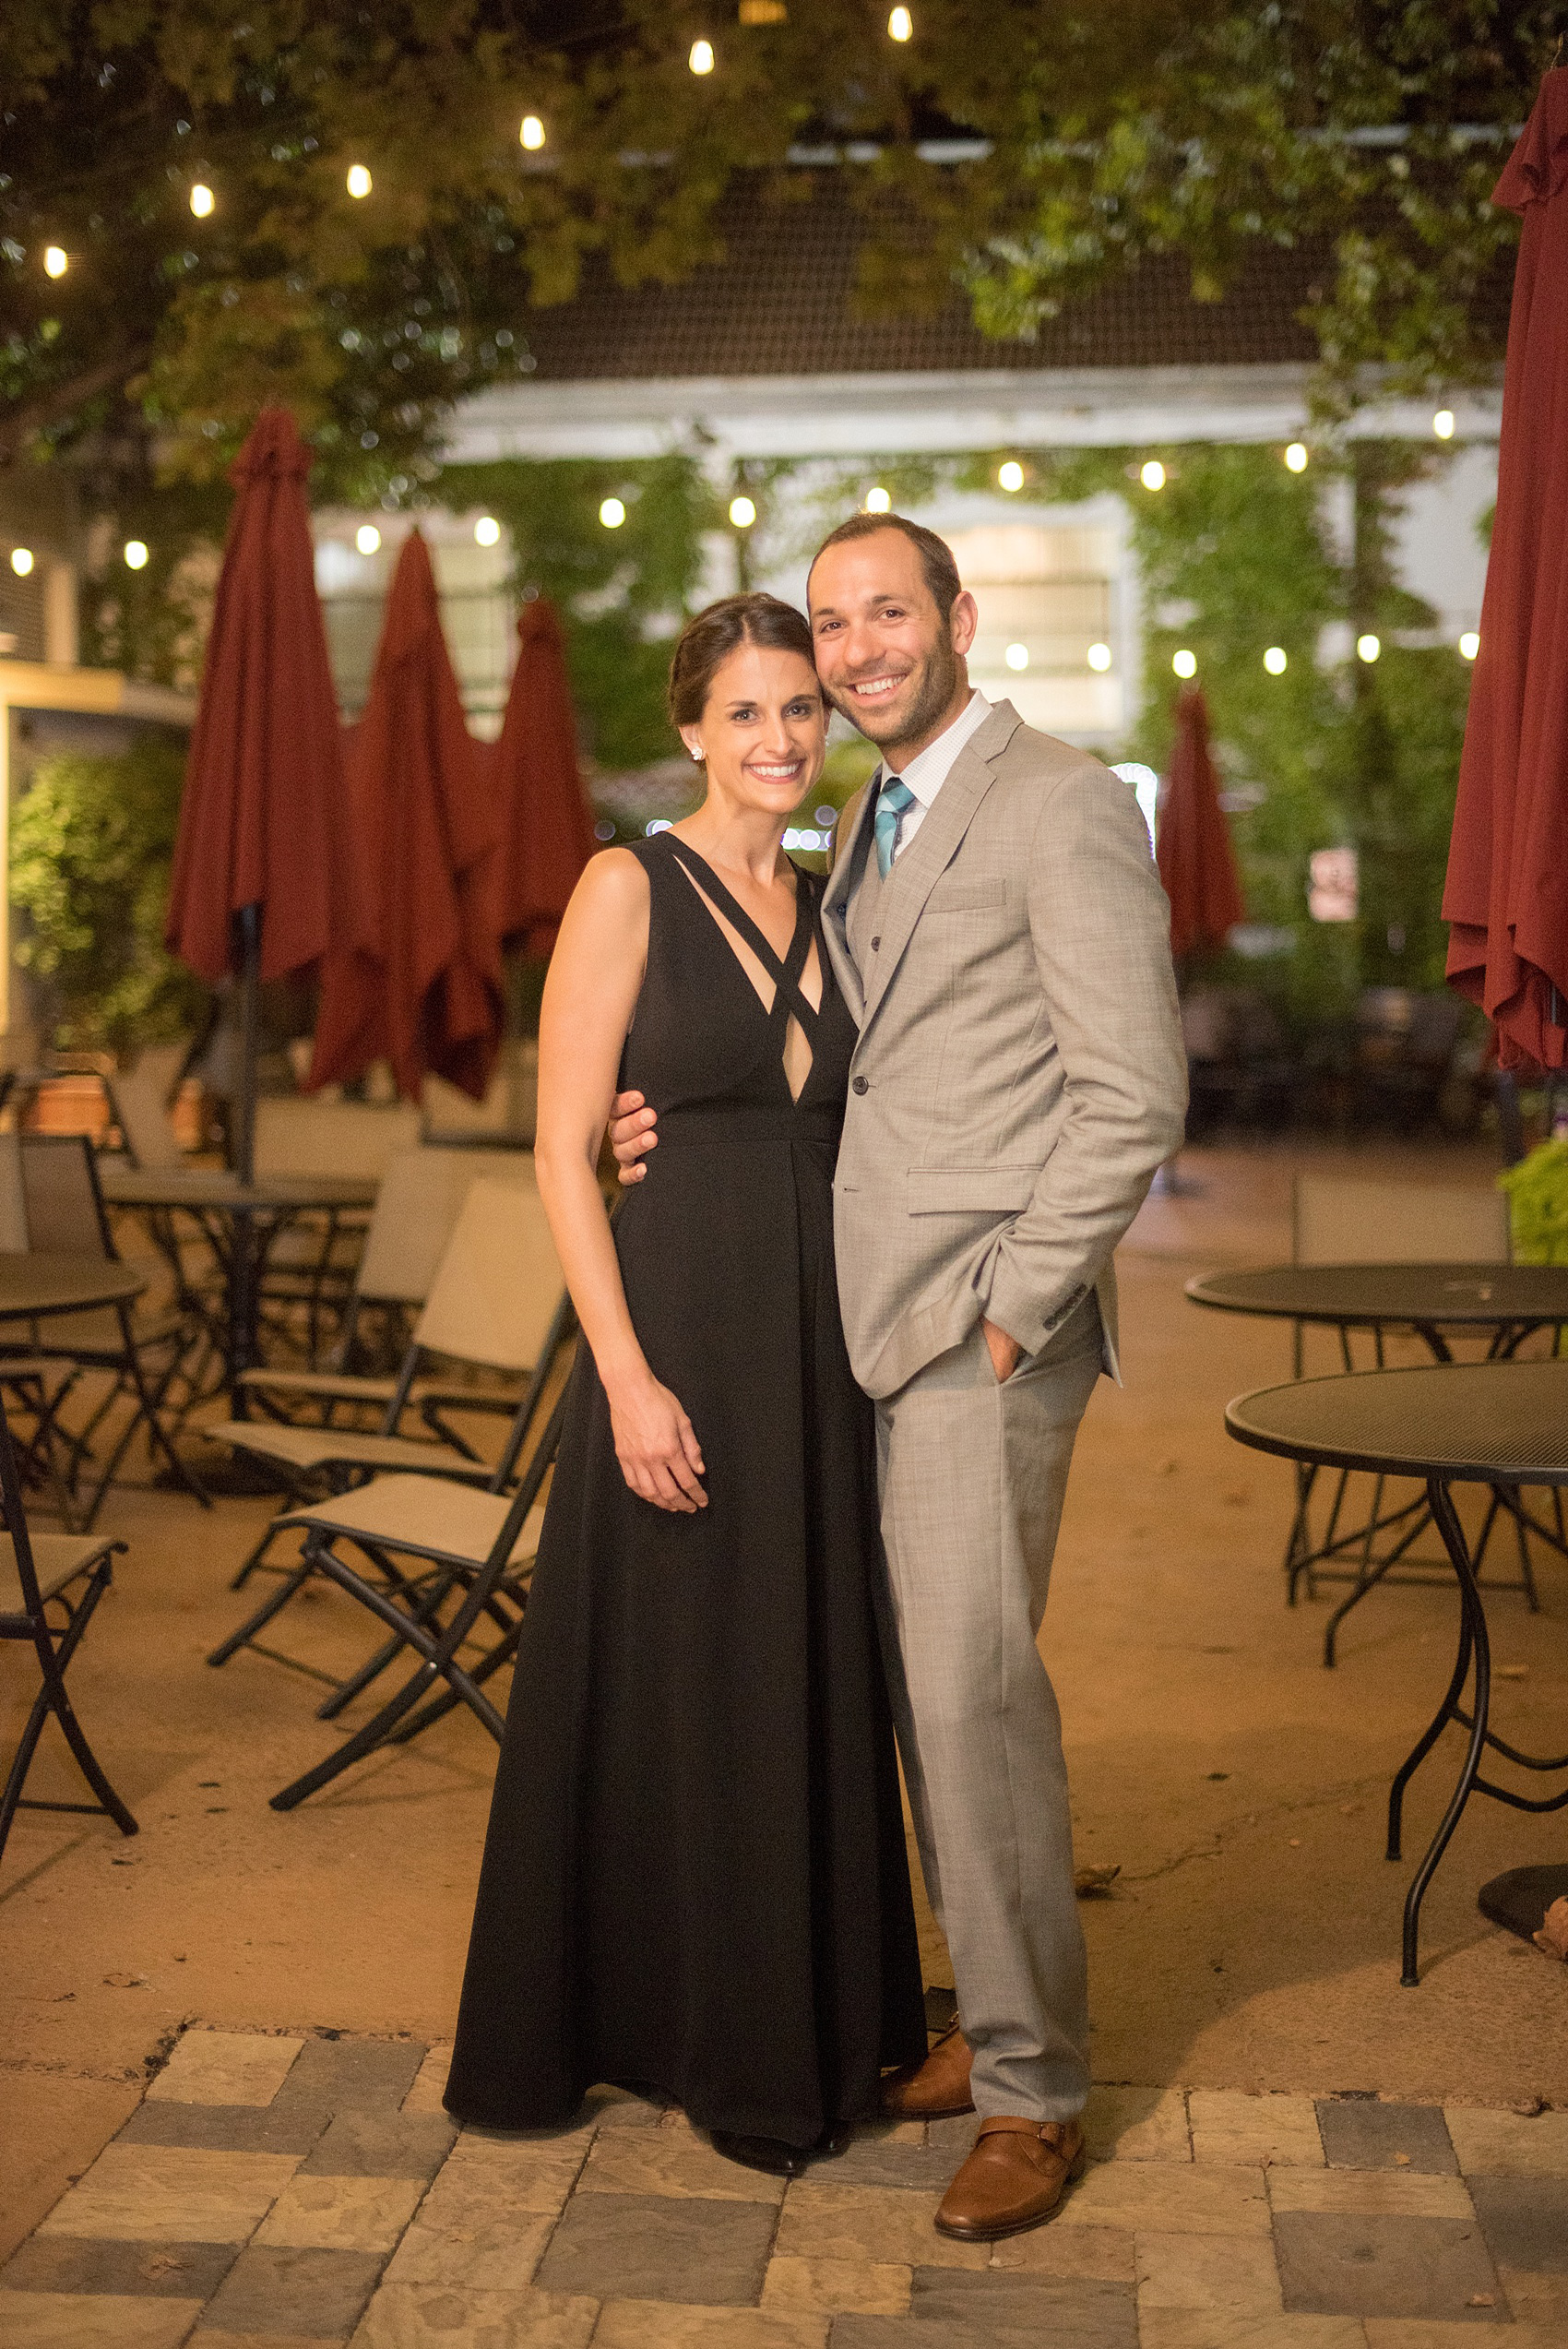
pixel 613 889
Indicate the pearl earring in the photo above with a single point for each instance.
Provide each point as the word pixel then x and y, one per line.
pixel 696 753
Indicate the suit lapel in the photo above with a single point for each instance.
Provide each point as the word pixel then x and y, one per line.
pixel 917 871
pixel 847 862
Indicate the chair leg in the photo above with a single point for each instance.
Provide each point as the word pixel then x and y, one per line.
pixel 53 1697
pixel 294 1580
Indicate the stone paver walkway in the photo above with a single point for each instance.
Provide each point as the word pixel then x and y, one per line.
pixel 275 2192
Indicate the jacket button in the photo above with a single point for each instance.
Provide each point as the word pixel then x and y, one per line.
pixel 875 944
pixel 859 1085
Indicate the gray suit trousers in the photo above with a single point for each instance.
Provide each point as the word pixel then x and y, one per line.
pixel 973 1477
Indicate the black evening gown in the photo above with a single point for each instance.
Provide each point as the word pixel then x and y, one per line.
pixel 695 1880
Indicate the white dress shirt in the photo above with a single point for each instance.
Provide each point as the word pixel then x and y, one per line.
pixel 926 774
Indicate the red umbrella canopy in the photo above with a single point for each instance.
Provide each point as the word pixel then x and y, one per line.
pixel 1506 896
pixel 428 996
pixel 1197 864
pixel 264 820
pixel 547 835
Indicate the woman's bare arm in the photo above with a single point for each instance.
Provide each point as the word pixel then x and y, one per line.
pixel 590 996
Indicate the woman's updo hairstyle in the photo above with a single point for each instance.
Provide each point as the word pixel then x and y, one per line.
pixel 706 642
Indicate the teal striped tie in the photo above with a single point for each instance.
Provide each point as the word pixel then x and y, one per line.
pixel 894 797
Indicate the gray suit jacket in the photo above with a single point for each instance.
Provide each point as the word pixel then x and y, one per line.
pixel 1019 1074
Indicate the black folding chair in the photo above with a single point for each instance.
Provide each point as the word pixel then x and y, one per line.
pixel 69 1572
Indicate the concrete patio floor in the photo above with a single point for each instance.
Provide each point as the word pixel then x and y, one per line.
pixel 1248 1949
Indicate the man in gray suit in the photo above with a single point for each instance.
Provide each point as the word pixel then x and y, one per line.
pixel 997 926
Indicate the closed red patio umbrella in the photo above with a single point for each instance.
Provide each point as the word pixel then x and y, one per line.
pixel 428 996
pixel 1506 897
pixel 1197 864
pixel 547 832
pixel 265 878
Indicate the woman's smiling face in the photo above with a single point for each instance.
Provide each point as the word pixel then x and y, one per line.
pixel 763 733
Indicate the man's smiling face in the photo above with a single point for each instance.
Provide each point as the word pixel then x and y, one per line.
pixel 887 655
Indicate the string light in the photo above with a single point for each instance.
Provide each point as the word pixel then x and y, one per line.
pixel 56 260
pixel 879 501
pixel 357 181
pixel 202 200
pixel 136 554
pixel 1098 656
pixel 1274 661
pixel 1185 663
pixel 1469 645
pixel 743 513
pixel 1296 456
pixel 1152 475
pixel 1368 648
pixel 1011 475
pixel 531 135
pixel 613 513
pixel 21 561
pixel 487 530
pixel 1017 656
pixel 367 538
pixel 701 57
pixel 900 25
pixel 1442 424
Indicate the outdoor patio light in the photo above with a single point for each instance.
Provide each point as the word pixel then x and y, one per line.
pixel 613 513
pixel 1011 475
pixel 1469 645
pixel 1274 661
pixel 367 538
pixel 701 58
pixel 1296 456
pixel 1017 656
pixel 743 513
pixel 1442 424
pixel 1368 648
pixel 202 200
pixel 1185 663
pixel 136 554
pixel 879 501
pixel 21 561
pixel 531 135
pixel 1152 475
pixel 487 530
pixel 1098 656
pixel 358 181
pixel 56 260
pixel 900 25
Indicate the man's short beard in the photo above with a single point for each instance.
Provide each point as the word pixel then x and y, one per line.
pixel 938 684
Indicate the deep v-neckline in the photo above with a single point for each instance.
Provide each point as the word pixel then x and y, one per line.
pixel 785 972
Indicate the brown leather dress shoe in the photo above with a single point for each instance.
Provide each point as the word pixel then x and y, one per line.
pixel 935 2090
pixel 1013 2179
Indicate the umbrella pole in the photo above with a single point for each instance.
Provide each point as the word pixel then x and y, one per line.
pixel 241 1262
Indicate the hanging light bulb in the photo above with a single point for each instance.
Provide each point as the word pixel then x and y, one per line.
pixel 367 538
pixel 1296 456
pixel 359 181
pixel 136 554
pixel 531 135
pixel 743 513
pixel 613 513
pixel 1098 657
pixel 21 561
pixel 1185 663
pixel 879 501
pixel 1274 661
pixel 1442 424
pixel 701 57
pixel 1010 476
pixel 487 530
pixel 1469 645
pixel 1368 648
pixel 900 25
pixel 202 200
pixel 1152 474
pixel 56 260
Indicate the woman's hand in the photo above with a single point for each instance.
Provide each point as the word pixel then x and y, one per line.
pixel 656 1445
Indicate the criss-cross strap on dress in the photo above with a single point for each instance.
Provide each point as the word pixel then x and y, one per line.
pixel 695 1880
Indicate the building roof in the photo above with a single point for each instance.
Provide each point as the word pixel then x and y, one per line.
pixel 784 301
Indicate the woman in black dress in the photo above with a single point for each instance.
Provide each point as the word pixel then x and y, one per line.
pixel 695 1881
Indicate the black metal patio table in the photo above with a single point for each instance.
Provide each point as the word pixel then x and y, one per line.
pixel 1498 1424
pixel 1504 1304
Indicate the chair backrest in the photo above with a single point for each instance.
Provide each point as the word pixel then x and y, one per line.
pixel 66 1213
pixel 140 1099
pixel 301 1136
pixel 509 1112
pixel 1341 1218
pixel 13 1198
pixel 420 1197
pixel 498 1284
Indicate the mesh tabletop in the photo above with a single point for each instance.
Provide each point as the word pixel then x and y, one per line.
pixel 214 1189
pixel 42 1283
pixel 1486 1295
pixel 1503 1423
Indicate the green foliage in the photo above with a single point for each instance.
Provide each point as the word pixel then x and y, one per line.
pixel 92 841
pixel 1537 1203
pixel 623 594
